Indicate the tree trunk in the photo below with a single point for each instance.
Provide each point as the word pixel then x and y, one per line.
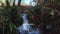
pixel 14 3
pixel 7 3
pixel 19 1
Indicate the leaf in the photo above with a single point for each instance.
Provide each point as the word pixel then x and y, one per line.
pixel 14 26
pixel 11 28
pixel 6 18
pixel 52 13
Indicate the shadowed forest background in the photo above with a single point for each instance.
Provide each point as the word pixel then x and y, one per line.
pixel 46 12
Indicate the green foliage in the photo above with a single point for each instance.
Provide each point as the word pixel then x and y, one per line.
pixel 58 1
pixel 52 13
pixel 6 13
pixel 12 27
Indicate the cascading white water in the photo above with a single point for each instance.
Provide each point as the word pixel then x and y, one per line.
pixel 25 22
pixel 24 16
pixel 27 27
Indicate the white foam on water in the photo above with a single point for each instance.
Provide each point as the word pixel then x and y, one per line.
pixel 26 26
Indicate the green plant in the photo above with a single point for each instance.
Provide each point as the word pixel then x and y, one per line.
pixel 8 25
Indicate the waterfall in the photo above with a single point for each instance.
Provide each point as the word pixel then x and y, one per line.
pixel 25 22
pixel 25 25
pixel 26 28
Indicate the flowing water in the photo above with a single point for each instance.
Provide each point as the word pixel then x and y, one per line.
pixel 26 28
